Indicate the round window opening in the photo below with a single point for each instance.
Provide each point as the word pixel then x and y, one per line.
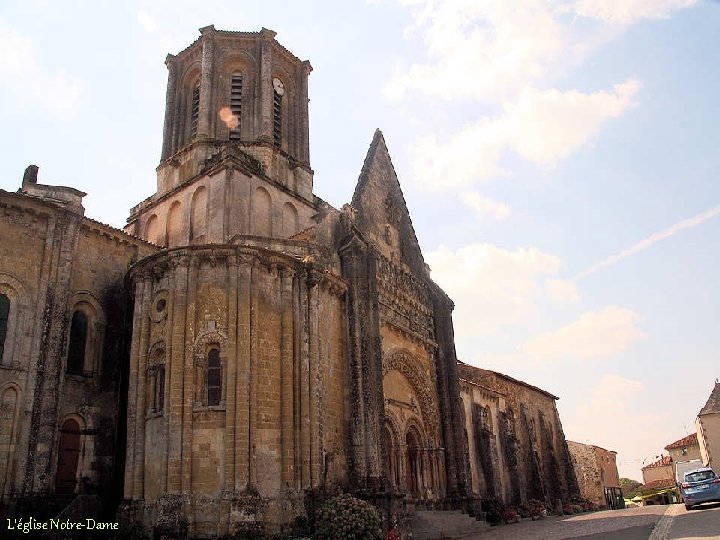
pixel 160 304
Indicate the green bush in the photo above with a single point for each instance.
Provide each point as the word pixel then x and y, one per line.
pixel 349 518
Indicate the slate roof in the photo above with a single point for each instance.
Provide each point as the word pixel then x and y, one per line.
pixel 713 403
pixel 690 440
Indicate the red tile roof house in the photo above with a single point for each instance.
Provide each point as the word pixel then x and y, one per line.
pixel 659 482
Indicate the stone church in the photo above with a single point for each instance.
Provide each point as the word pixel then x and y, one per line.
pixel 242 345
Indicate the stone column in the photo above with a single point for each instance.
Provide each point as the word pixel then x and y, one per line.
pixel 265 86
pixel 141 407
pixel 452 419
pixel 188 376
pixel 286 378
pixel 206 114
pixel 169 129
pixel 133 442
pixel 314 386
pixel 242 389
pixel 253 365
pixel 304 127
pixel 304 384
pixel 176 355
pixel 231 379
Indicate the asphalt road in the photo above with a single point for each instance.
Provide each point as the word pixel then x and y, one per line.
pixel 700 523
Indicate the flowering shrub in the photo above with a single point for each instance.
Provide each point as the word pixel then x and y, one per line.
pixel 537 509
pixel 349 518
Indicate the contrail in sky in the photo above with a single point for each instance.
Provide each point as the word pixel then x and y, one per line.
pixel 650 240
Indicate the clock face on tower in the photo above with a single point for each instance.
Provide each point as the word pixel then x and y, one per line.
pixel 278 86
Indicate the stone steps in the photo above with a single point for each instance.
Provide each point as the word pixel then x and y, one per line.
pixel 444 524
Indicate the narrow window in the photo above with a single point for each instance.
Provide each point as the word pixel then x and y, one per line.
pixel 277 113
pixel 160 388
pixel 4 315
pixel 194 111
pixel 78 340
pixel 214 378
pixel 235 105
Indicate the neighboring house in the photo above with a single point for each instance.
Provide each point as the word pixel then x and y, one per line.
pixel 708 429
pixel 659 481
pixel 596 473
pixel 661 469
pixel 684 449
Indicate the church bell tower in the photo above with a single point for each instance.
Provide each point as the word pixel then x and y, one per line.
pixel 235 100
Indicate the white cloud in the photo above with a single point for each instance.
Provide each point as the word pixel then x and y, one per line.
pixel 625 12
pixel 486 207
pixel 595 334
pixel 542 126
pixel 562 291
pixel 146 21
pixel 31 83
pixel 651 240
pixel 546 126
pixel 492 287
pixel 481 49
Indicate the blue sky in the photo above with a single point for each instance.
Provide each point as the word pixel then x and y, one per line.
pixel 559 159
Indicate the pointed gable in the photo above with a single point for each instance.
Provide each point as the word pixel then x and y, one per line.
pixel 713 403
pixel 381 212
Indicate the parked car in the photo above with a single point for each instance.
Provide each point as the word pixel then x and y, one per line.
pixel 699 486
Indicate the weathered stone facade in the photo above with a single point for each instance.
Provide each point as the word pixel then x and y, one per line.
pixel 595 470
pixel 517 448
pixel 50 397
pixel 242 345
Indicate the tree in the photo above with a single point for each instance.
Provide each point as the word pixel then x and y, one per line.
pixel 630 487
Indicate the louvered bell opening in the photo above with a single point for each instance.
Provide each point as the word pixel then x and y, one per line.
pixel 236 105
pixel 195 111
pixel 277 119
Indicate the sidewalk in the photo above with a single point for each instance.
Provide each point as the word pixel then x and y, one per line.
pixel 561 527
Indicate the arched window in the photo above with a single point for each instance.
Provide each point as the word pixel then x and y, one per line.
pixel 290 220
pixel 198 215
pixel 235 105
pixel 214 378
pixel 262 213
pixel 194 110
pixel 153 232
pixel 78 342
pixel 174 226
pixel 156 382
pixel 4 316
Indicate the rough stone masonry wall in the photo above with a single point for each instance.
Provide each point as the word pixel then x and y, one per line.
pixel 61 262
pixel 587 472
pixel 533 459
pixel 278 324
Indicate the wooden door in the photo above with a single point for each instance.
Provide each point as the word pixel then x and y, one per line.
pixel 68 455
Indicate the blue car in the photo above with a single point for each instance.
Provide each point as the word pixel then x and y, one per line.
pixel 700 485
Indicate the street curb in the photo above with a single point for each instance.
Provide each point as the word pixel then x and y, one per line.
pixel 662 527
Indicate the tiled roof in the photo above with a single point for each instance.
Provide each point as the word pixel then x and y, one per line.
pixel 658 484
pixel 662 462
pixel 713 402
pixel 481 372
pixel 690 440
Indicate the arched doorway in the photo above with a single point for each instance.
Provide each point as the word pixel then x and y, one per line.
pixel 68 455
pixel 412 464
